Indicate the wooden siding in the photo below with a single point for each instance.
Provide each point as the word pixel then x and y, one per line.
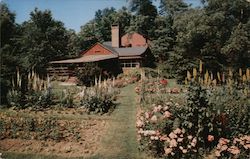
pixel 97 49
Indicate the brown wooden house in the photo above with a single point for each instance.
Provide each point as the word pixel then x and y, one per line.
pixel 122 53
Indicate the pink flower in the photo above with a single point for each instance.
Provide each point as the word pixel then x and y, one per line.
pixel 164 138
pixel 179 139
pixel 247 146
pixel 167 150
pixel 147 115
pixel 210 138
pixel 217 153
pixel 181 148
pixel 184 151
pixel 173 143
pixel 165 108
pixel 140 131
pixel 190 137
pixel 167 114
pixel 159 107
pixel 149 132
pixel 172 135
pixel 236 140
pixel 155 110
pixel 152 137
pixel 246 137
pixel 234 150
pixel 139 124
pixel 224 148
pixel 158 133
pixel 223 141
pixel 177 131
pixel 194 142
pixel 183 130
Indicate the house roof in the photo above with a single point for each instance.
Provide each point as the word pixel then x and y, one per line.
pixel 88 58
pixel 125 51
pixel 121 53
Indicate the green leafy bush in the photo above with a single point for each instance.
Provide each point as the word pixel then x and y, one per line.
pixel 14 98
pixel 98 104
pixel 39 99
pixel 87 75
pixel 98 99
pixel 233 104
pixel 66 99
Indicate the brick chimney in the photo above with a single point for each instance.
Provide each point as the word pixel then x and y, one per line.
pixel 115 36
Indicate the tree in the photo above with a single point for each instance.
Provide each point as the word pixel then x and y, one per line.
pixel 143 21
pixel 73 45
pixel 145 7
pixel 211 36
pixel 172 7
pixel 8 57
pixel 104 19
pixel 123 17
pixel 98 29
pixel 43 39
pixel 237 47
pixel 164 39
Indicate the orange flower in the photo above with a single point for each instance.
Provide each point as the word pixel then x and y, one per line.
pixel 223 141
pixel 210 138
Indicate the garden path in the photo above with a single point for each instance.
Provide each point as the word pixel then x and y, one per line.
pixel 120 139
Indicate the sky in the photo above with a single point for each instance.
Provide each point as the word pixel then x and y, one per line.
pixel 73 13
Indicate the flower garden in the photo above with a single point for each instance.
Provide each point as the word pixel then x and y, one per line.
pixel 203 119
pixel 197 120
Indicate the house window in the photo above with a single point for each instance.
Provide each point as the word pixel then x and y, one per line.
pixel 130 64
pixel 97 51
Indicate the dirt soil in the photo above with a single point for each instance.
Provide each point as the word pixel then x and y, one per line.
pixel 90 132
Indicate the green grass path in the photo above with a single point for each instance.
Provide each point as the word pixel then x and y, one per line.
pixel 120 141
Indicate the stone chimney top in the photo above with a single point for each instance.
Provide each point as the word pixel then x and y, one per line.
pixel 115 36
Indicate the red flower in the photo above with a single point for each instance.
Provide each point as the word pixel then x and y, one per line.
pixel 164 82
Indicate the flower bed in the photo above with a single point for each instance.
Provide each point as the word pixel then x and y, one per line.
pixel 196 129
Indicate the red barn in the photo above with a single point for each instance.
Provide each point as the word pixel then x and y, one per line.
pixel 126 52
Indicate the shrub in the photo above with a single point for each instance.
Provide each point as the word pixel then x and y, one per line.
pixel 98 104
pixel 66 99
pixel 39 99
pixel 14 98
pixel 87 75
pixel 235 111
pixel 98 99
